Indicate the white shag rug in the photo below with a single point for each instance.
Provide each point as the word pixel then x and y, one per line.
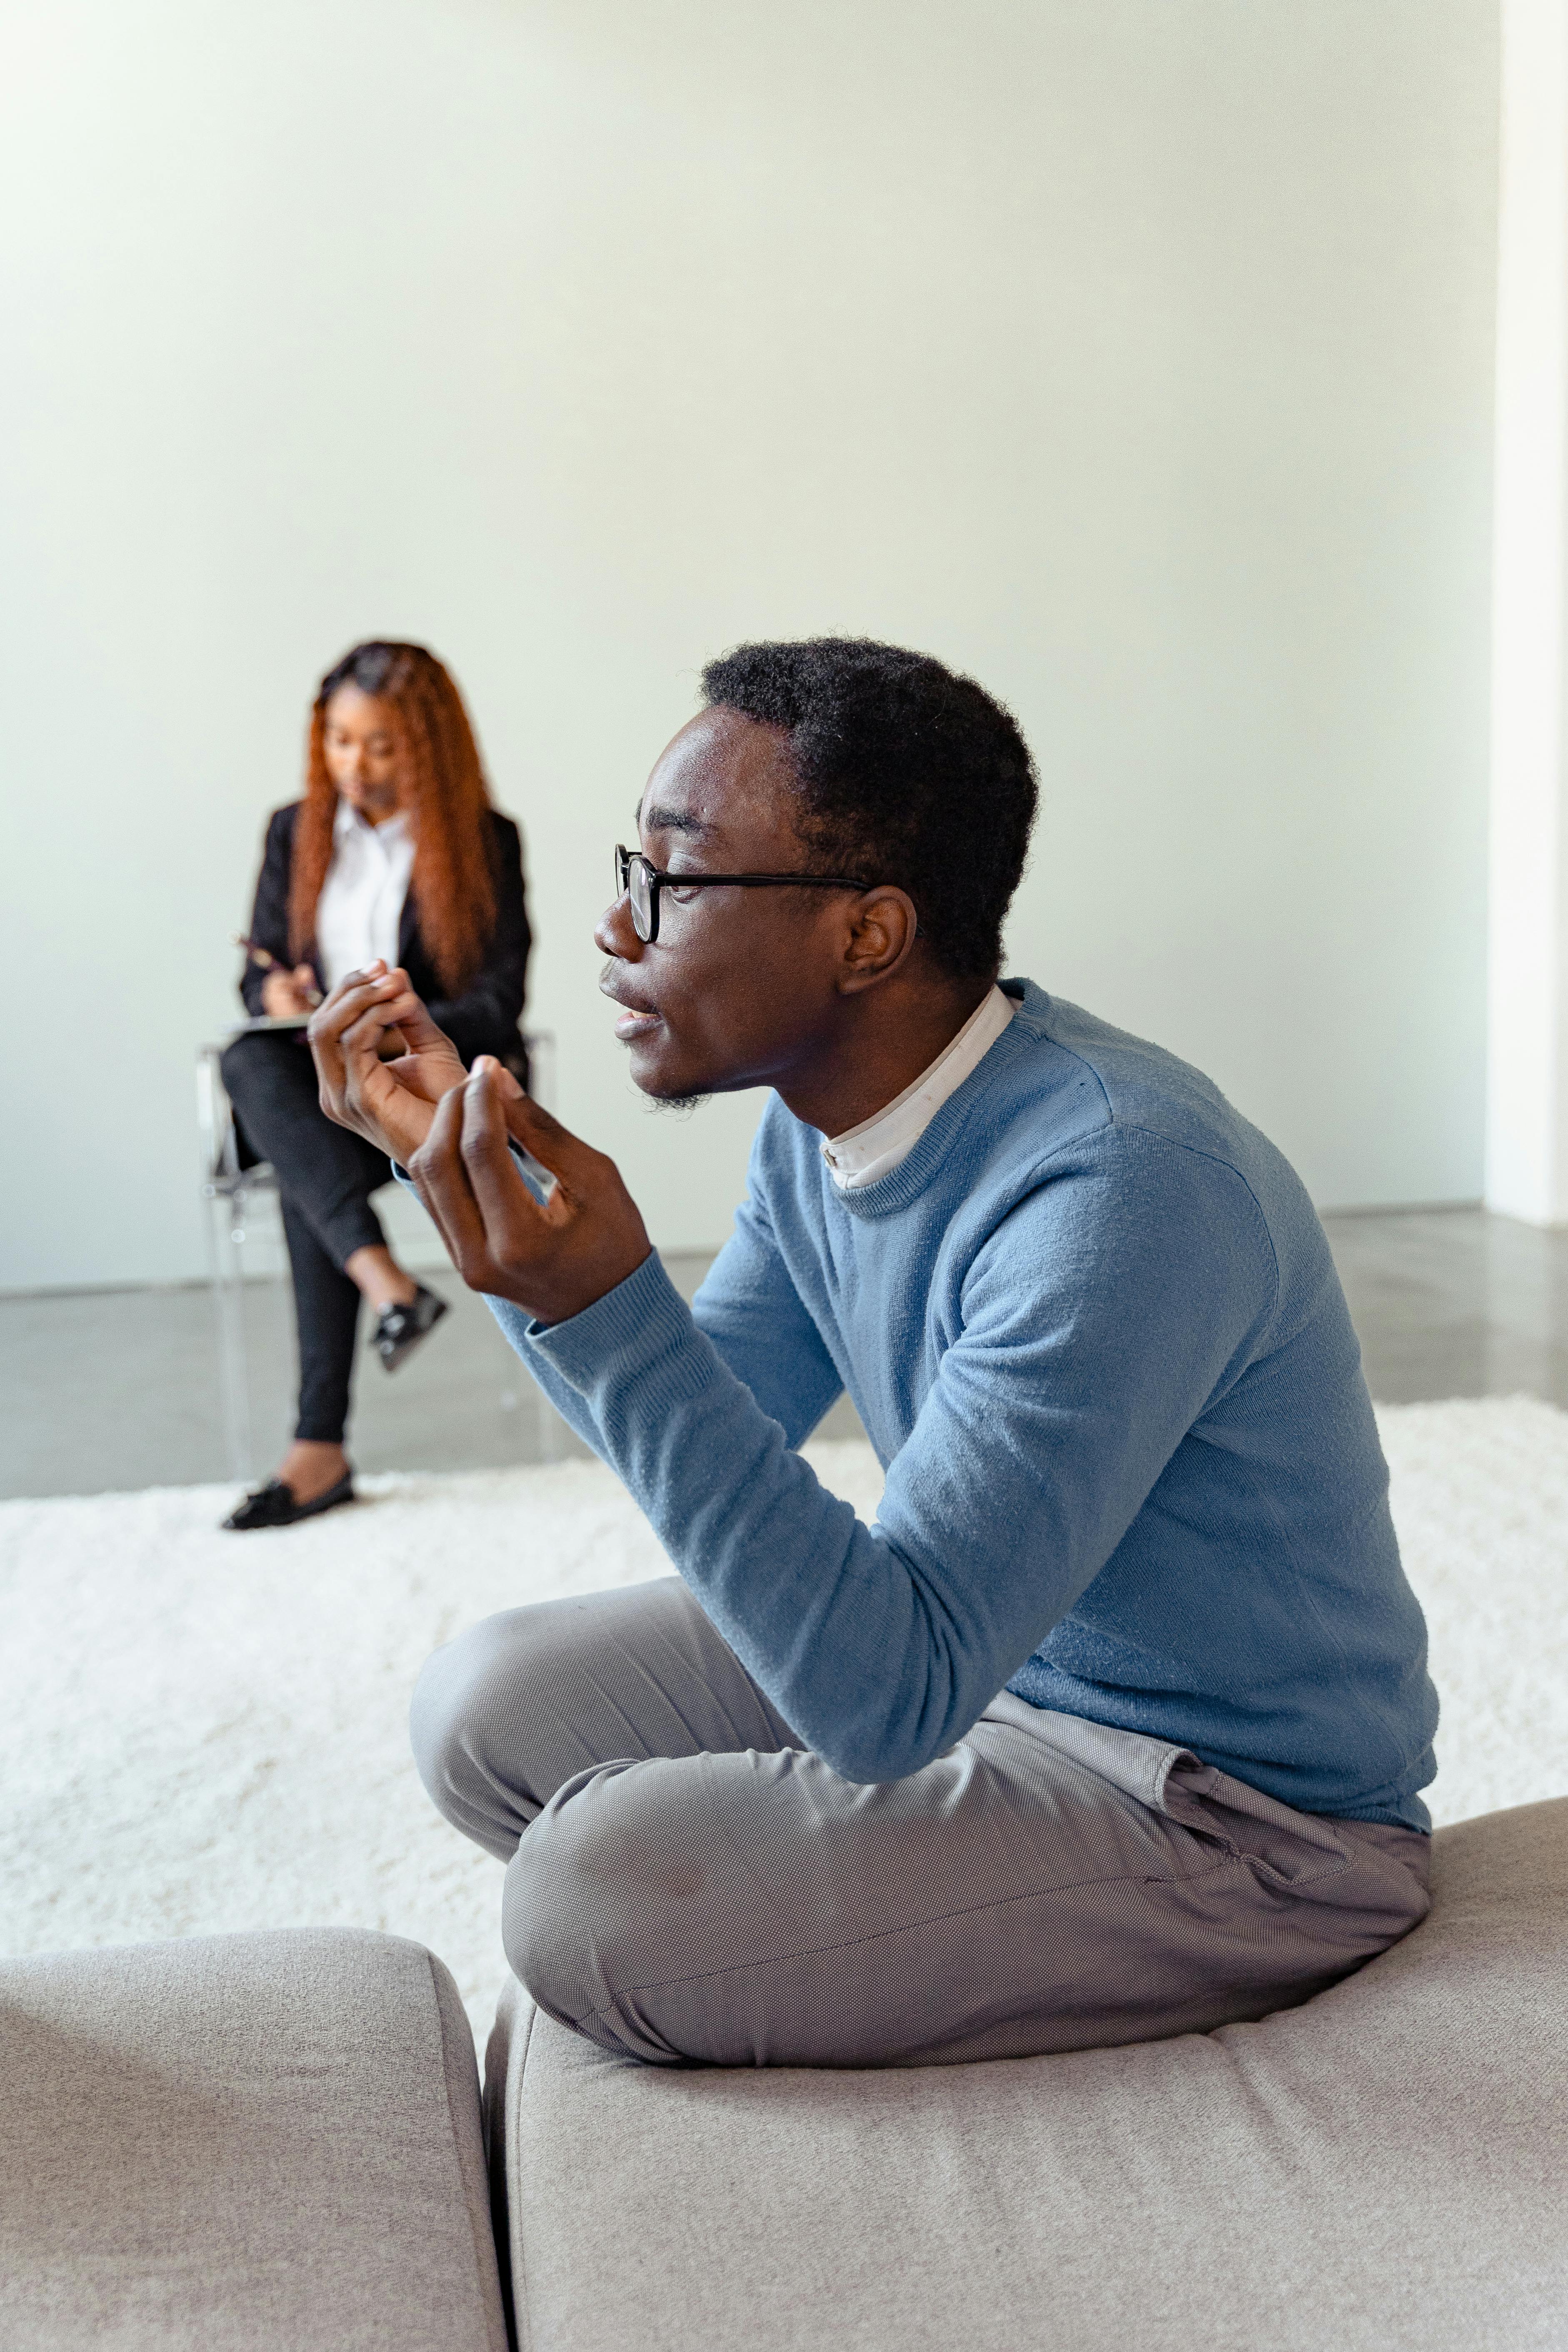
pixel 202 1732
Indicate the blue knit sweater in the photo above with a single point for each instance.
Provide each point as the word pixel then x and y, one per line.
pixel 1093 1329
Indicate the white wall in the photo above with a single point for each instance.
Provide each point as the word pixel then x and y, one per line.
pixel 1526 1072
pixel 1134 353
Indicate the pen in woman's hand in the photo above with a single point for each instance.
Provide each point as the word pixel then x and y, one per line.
pixel 269 962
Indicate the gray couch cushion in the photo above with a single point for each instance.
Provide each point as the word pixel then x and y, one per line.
pixel 242 2141
pixel 1385 2166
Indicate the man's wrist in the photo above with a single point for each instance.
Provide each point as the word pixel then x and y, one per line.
pixel 632 1331
pixel 550 1304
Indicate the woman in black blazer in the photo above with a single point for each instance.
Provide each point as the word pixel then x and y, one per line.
pixel 394 851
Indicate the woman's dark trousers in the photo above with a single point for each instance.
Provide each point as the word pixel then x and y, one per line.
pixel 326 1176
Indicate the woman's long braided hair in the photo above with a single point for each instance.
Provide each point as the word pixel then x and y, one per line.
pixel 446 798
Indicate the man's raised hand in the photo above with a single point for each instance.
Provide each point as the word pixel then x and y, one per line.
pixel 554 1259
pixel 383 1064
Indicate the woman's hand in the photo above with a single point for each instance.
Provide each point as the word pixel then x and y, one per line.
pixel 552 1260
pixel 287 994
pixel 383 1064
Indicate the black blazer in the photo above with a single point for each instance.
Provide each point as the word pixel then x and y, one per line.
pixel 484 1019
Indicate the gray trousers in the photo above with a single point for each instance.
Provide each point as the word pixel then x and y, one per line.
pixel 686 1882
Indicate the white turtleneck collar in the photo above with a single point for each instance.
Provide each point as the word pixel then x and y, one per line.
pixel 875 1147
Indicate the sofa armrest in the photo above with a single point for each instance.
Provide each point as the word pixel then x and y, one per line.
pixel 240 2141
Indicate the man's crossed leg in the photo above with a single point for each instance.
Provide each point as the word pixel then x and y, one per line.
pixel 687 1882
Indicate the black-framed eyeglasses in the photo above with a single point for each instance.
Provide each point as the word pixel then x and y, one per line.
pixel 638 879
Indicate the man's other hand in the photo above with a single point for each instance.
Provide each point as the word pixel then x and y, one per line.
pixel 554 1260
pixel 383 1064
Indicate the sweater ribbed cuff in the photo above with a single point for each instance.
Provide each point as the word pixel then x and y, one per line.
pixel 640 1335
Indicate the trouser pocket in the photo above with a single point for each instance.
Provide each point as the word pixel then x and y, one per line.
pixel 1292 1849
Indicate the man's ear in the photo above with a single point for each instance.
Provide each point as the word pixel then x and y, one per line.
pixel 882 935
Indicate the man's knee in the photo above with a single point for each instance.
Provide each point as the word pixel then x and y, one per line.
pixel 496 1718
pixel 462 1724
pixel 598 1902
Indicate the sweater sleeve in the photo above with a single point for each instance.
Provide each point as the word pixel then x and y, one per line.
pixel 1097 1321
pixel 749 1307
pixel 751 1310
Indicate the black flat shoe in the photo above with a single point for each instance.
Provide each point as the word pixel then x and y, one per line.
pixel 273 1505
pixel 399 1329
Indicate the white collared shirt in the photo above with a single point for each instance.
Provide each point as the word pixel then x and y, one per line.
pixel 878 1146
pixel 361 906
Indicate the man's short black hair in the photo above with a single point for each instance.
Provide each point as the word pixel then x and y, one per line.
pixel 909 773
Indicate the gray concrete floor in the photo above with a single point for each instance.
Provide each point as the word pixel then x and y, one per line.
pixel 1454 1302
pixel 106 1390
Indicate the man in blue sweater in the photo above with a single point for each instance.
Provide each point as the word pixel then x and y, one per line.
pixel 1113 1723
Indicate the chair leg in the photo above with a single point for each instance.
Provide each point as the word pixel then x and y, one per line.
pixel 225 1239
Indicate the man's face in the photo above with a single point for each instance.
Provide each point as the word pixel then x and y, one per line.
pixel 741 986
